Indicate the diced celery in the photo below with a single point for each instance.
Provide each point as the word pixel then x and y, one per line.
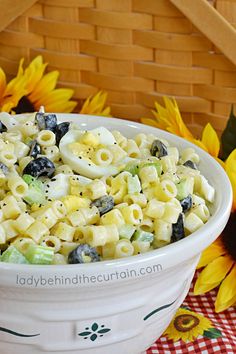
pixel 28 179
pixel 132 168
pixel 28 140
pixel 184 188
pixel 141 235
pixel 126 231
pixel 156 164
pixel 133 184
pixel 12 255
pixel 39 254
pixel 35 193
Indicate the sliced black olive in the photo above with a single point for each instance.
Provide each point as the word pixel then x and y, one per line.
pixel 4 168
pixel 104 204
pixel 78 255
pixel 190 164
pixel 3 128
pixel 61 130
pixel 41 166
pixel 186 203
pixel 46 121
pixel 50 121
pixel 158 149
pixel 39 117
pixel 178 229
pixel 35 149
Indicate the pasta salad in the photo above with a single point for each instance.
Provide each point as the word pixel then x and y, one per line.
pixel 73 196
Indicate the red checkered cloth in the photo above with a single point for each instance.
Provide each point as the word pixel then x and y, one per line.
pixel 225 322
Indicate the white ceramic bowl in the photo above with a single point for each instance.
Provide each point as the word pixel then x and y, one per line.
pixel 118 307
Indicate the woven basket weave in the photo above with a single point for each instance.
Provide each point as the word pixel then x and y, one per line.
pixel 136 50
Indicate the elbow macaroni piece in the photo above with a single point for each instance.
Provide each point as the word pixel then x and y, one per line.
pixel 148 176
pixel 192 222
pixel 165 190
pixel 190 154
pixel 46 138
pixel 95 189
pixel 102 157
pixel 9 228
pixel 112 217
pixel 162 233
pixel 147 224
pixel 17 186
pixel 20 149
pixel 37 230
pixel 141 246
pixel 8 158
pixel 132 149
pixel 63 231
pixel 23 222
pixel 10 207
pixel 132 214
pixel 137 198
pixel 3 237
pixel 123 248
pixel 202 212
pixel 155 209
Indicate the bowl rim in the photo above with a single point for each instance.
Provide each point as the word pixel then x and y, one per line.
pixel 171 251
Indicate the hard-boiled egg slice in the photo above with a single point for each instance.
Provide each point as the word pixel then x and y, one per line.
pixel 59 185
pixel 82 164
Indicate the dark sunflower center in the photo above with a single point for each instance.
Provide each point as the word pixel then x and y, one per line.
pixel 24 106
pixel 184 323
pixel 229 236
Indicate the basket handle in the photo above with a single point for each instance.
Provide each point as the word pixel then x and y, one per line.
pixel 11 9
pixel 213 25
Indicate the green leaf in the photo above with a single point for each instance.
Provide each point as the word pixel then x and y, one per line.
pixel 93 337
pixel 228 138
pixel 83 334
pixel 94 326
pixel 212 333
pixel 104 330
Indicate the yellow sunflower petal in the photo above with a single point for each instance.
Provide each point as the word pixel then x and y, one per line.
pixel 2 83
pixel 150 121
pixel 61 107
pixel 14 91
pixel 95 105
pixel 169 118
pixel 226 296
pixel 56 95
pixel 198 143
pixel 34 73
pixel 213 274
pixel 211 140
pixel 230 167
pixel 57 100
pixel 45 85
pixel 212 252
pixel 20 71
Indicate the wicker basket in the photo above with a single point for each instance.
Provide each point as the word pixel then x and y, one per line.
pixel 136 50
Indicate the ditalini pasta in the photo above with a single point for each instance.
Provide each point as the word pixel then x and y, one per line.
pixel 74 196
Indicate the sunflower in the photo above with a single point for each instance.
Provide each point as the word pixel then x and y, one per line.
pixel 219 259
pixel 11 93
pixel 187 325
pixel 41 91
pixel 95 105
